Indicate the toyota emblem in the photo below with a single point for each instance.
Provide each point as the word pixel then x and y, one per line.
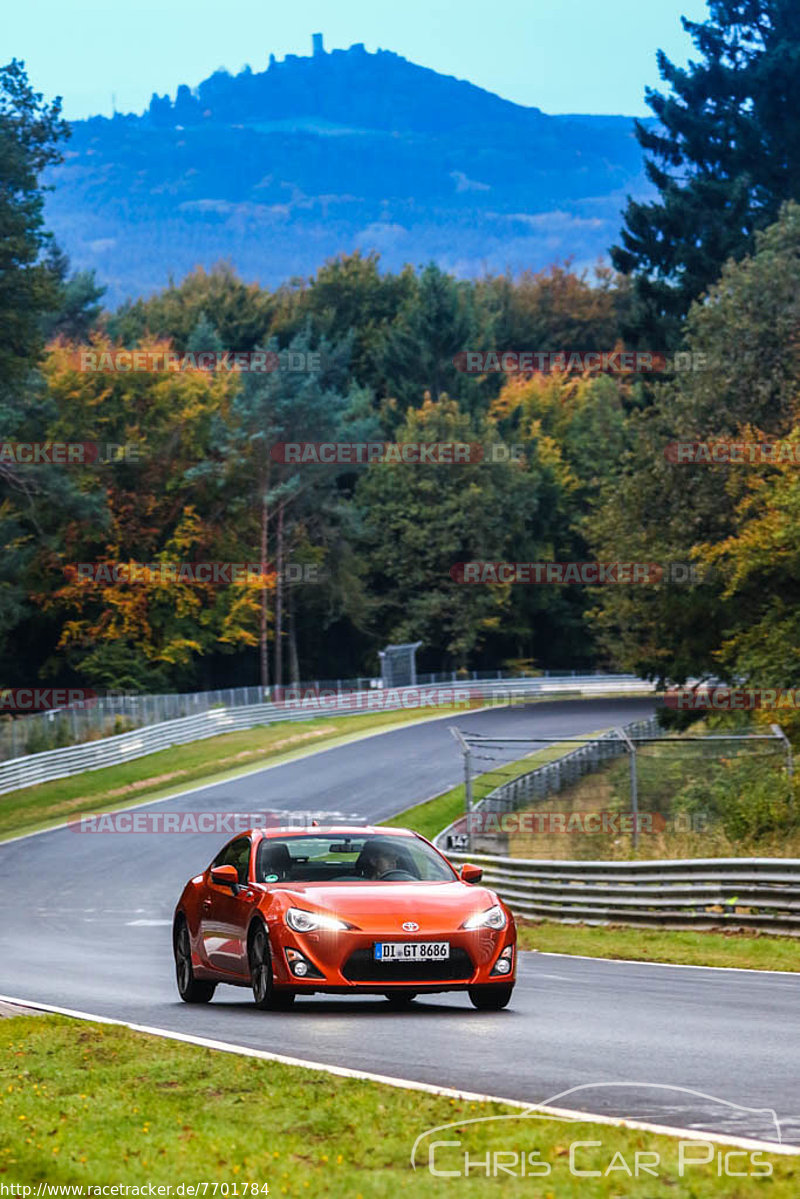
pixel 410 926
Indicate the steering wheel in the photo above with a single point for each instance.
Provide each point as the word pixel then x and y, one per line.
pixel 397 876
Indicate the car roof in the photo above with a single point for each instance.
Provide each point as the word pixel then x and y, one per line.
pixel 335 830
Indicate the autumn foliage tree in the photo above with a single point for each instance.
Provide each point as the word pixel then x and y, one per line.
pixel 158 424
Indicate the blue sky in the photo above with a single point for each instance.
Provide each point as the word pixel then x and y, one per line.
pixel 560 55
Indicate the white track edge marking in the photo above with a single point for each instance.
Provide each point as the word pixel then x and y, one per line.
pixel 585 957
pixel 412 1085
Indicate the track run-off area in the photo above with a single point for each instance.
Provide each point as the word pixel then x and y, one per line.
pixel 86 925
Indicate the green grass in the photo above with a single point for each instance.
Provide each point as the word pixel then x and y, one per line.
pixel 746 950
pixel 173 770
pixel 82 1103
pixel 433 815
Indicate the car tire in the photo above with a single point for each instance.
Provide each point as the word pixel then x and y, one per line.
pixel 266 996
pixel 491 998
pixel 401 999
pixel 190 989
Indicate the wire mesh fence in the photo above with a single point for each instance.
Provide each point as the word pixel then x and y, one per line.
pixel 111 714
pixel 625 793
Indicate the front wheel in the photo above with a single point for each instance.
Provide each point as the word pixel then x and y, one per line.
pixel 491 998
pixel 266 996
pixel 190 989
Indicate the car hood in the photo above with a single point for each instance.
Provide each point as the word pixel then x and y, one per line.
pixel 384 907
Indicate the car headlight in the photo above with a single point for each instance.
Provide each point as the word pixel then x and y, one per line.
pixel 493 917
pixel 308 922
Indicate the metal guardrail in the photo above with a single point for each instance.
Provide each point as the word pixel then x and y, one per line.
pixel 112 751
pixel 701 893
pixel 115 713
pixel 53 764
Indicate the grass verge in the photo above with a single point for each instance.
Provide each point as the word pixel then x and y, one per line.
pixel 172 770
pixel 87 1104
pixel 744 950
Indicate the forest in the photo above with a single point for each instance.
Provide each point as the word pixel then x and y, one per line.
pixel 579 462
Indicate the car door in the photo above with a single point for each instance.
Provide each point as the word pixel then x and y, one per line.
pixel 224 915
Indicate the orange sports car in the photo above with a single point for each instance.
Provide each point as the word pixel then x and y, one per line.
pixel 348 910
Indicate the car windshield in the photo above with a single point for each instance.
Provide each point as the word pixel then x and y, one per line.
pixel 349 858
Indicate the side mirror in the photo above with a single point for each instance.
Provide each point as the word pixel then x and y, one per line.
pixel 470 874
pixel 225 876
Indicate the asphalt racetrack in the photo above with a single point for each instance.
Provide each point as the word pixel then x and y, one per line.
pixel 86 925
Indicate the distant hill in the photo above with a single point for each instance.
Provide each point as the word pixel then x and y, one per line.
pixel 280 169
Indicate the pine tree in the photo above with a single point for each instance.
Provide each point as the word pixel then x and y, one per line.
pixel 29 134
pixel 436 322
pixel 724 155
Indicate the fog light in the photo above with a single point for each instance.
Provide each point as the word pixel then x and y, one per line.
pixel 300 965
pixel 505 961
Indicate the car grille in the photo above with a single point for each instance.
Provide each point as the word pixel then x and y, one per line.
pixel 361 967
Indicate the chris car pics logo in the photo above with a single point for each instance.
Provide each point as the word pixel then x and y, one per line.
pixel 502 1146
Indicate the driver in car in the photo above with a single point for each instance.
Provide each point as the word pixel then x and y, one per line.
pixel 379 859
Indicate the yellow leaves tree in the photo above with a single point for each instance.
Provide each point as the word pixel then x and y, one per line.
pixel 759 567
pixel 157 512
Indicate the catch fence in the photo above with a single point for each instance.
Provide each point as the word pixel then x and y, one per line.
pixel 69 760
pixel 623 792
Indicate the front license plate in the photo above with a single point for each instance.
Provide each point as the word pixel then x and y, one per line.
pixel 411 951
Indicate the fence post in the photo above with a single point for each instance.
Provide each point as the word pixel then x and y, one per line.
pixel 634 786
pixel 778 731
pixel 467 782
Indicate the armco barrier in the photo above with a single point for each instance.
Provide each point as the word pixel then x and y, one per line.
pixel 112 751
pixel 702 893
